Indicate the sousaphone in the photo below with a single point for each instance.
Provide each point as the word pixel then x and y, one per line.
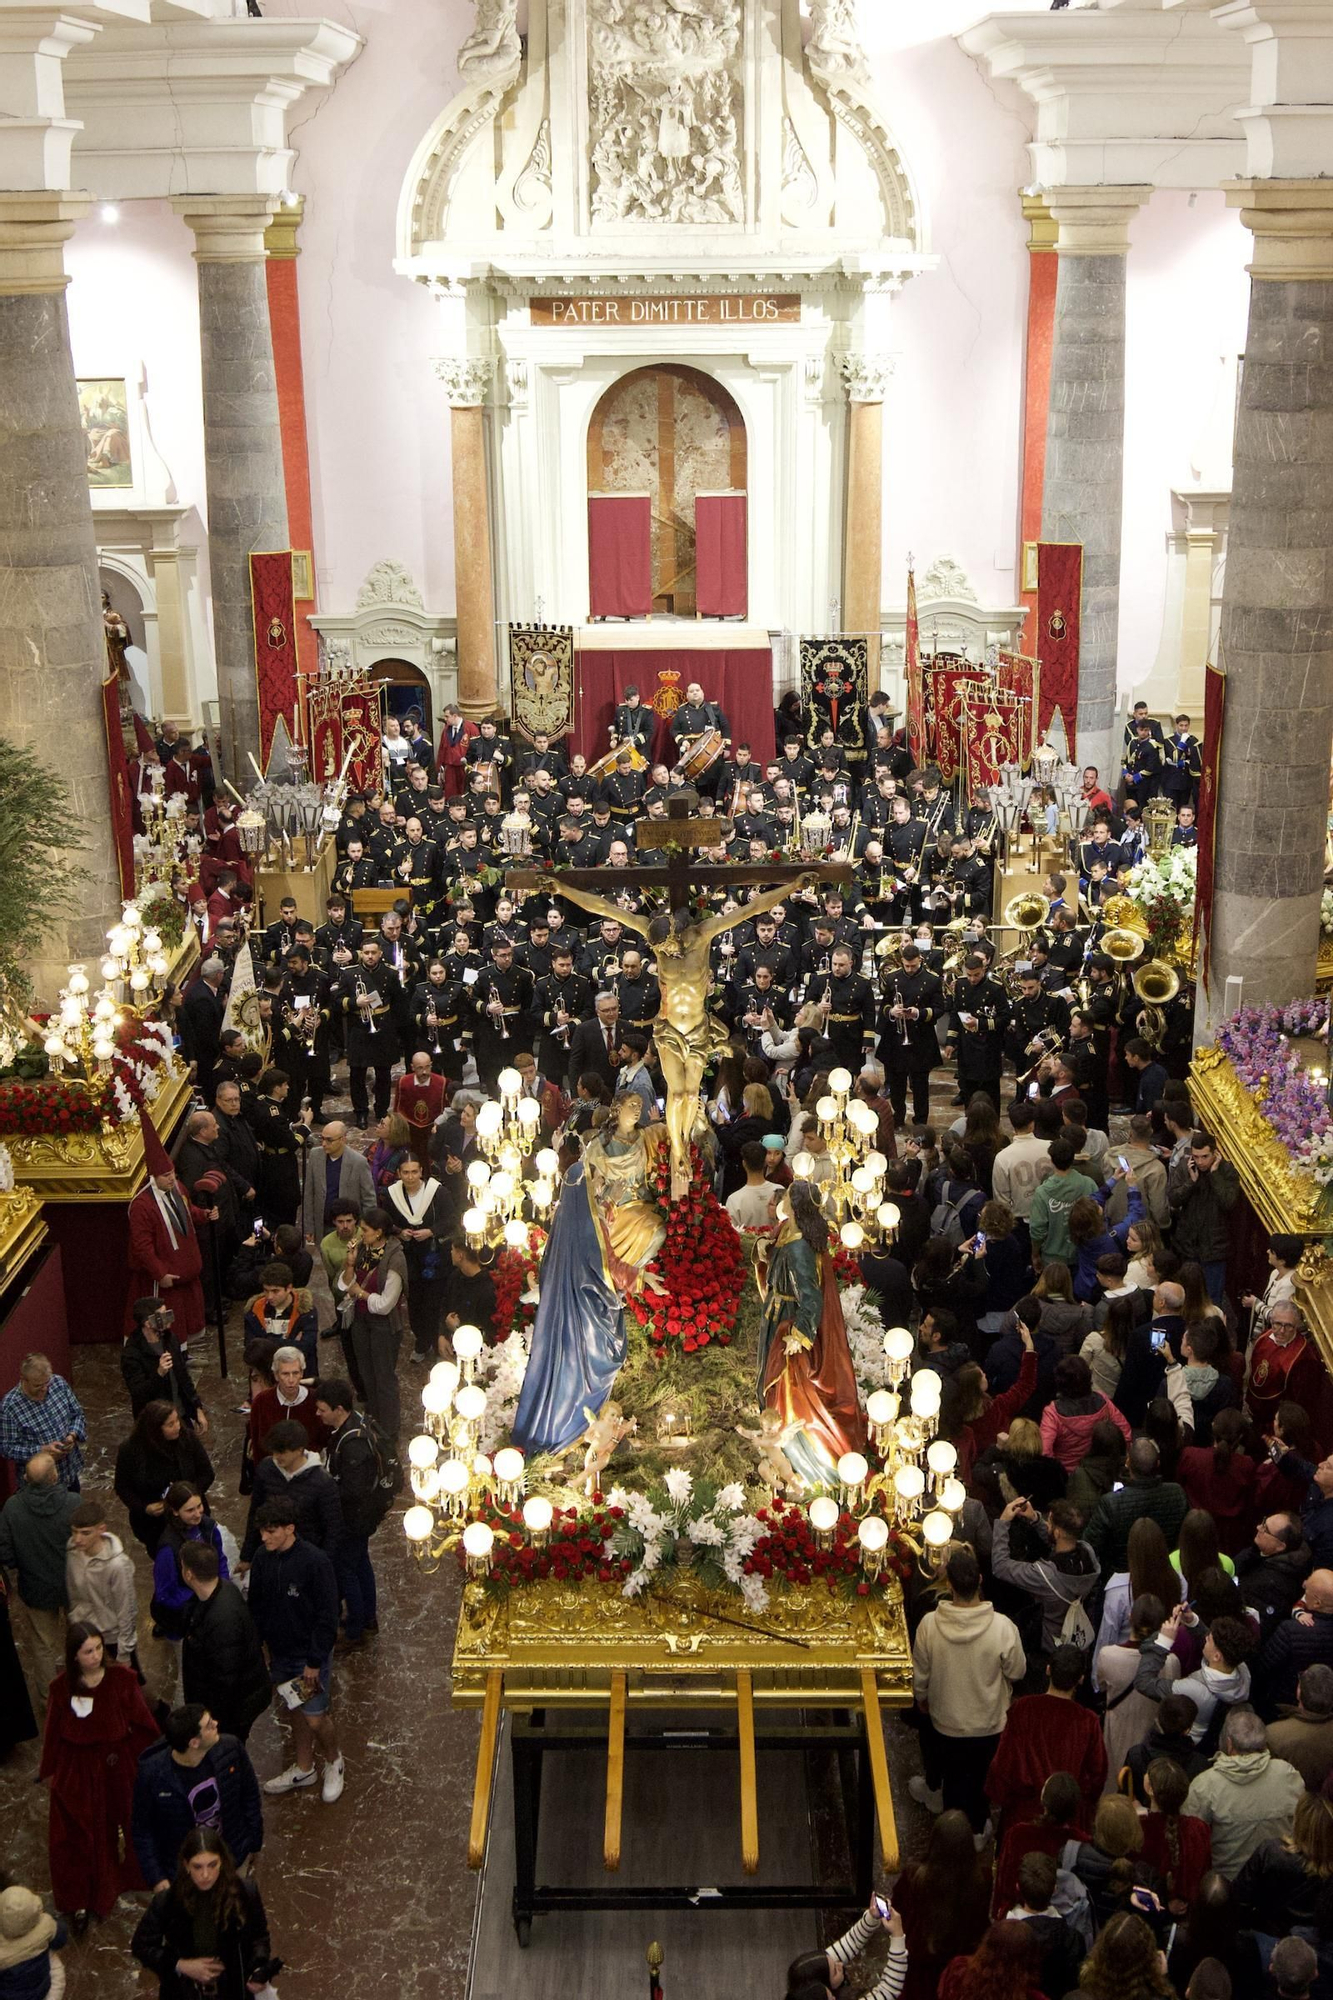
pixel 1156 983
pixel 1027 911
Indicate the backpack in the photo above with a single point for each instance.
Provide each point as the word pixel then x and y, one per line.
pixel 1077 1628
pixel 380 1497
pixel 946 1218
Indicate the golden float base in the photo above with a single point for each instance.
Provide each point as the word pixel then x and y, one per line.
pixel 584 1645
pixel 22 1231
pixel 96 1166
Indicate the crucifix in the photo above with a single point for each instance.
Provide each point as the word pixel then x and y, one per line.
pixel 685 1033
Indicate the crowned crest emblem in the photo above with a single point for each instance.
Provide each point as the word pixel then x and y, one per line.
pixel 667 698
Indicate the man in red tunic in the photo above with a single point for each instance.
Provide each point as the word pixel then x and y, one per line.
pixel 165 1258
pixel 452 759
pixel 1044 1733
pixel 1284 1367
pixel 420 1098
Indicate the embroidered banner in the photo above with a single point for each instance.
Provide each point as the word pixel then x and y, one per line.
pixel 541 679
pixel 1022 676
pixel 835 687
pixel 325 716
pixel 274 608
pixel 1059 622
pixel 362 734
pixel 990 727
pixel 118 774
pixel 945 688
pixel 916 692
pixel 1214 715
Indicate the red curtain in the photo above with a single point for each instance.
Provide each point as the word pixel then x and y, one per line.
pixel 620 555
pixel 275 642
pixel 1022 677
pixel 740 682
pixel 990 729
pixel 720 582
pixel 122 800
pixel 945 690
pixel 1059 619
pixel 1214 712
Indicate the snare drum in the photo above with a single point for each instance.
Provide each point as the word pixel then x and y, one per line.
pixel 606 763
pixel 701 756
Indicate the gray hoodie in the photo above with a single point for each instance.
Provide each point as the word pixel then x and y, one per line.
pixel 1055 1588
pixel 101 1589
pixel 1205 1687
pixel 1246 1799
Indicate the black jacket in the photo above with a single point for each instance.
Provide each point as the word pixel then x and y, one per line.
pixel 1291 1648
pixel 888 1279
pixel 165 1934
pixel 1275 1890
pixel 139 1367
pixel 587 1051
pixel 354 1467
pixel 294 1603
pixel 166 1795
pixel 222 1661
pixel 143 1475
pixel 319 1514
pixel 1270 1585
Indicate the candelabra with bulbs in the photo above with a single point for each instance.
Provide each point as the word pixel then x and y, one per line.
pixel 81 1034
pixel 503 1200
pixel 135 958
pixel 853 1199
pixel 451 1476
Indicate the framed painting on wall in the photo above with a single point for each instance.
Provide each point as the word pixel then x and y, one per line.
pixel 104 409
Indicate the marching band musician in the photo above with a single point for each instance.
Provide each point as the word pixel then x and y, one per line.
pixel 745 774
pixel 1184 764
pixel 874 882
pixel 503 1005
pixel 978 1019
pixel 848 1002
pixel 904 843
pixel 561 1000
pixel 693 718
pixel 623 788
pixel 369 995
pixel 356 870
pixel 757 1007
pixel 488 753
pixel 1139 714
pixel 637 990
pixel 1089 1055
pixel 419 868
pixel 1143 762
pixel 462 955
pixel 278 938
pixel 935 806
pixel 303 1006
pixel 634 723
pixel 577 783
pixel 386 842
pixel 1185 833
pixel 1099 846
pixel 911 1004
pixel 535 950
pixel 440 1015
pixel 1038 1026
pixel 542 757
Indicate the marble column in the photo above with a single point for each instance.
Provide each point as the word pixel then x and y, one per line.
pixel 865 378
pixel 1277 610
pixel 467 385
pixel 1083 491
pixel 52 645
pixel 1205 528
pixel 247 496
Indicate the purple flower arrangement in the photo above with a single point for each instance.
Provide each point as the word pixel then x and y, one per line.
pixel 1256 1041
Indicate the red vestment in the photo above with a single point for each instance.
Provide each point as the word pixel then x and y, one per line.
pixel 180 778
pixel 153 1257
pixel 1279 1374
pixel 268 1409
pixel 452 759
pixel 1182 1862
pixel 1044 1733
pixel 421 1104
pixel 1034 1836
pixel 220 904
pixel 92 1761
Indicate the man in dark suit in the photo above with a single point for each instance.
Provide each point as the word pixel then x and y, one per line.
pixel 202 1013
pixel 595 1045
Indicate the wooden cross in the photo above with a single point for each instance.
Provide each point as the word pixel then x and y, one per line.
pixel 682 831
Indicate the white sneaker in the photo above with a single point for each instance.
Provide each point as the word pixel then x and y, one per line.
pixel 333 1782
pixel 293 1779
pixel 921 1792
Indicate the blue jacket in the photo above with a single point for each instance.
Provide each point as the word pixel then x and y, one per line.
pixel 1316 1511
pixel 169 1797
pixel 294 1603
pixel 30 1979
pixel 172 1595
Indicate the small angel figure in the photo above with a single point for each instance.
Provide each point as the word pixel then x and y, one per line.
pixel 607 1429
pixel 775 1469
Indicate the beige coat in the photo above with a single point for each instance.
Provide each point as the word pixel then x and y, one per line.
pixel 965 1664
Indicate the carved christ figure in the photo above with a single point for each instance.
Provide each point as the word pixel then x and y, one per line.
pixel 493 43
pixel 685 1033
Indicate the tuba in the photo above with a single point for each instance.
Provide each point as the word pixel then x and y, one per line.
pixel 1027 911
pixel 1121 944
pixel 1156 984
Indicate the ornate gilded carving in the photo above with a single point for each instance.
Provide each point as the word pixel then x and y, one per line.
pixel 96 1166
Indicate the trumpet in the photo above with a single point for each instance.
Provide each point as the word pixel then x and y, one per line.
pixel 365 1000
pixel 433 1023
pixel 904 1037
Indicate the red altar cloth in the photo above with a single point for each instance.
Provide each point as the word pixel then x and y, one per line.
pixel 740 681
pixel 720 581
pixel 620 555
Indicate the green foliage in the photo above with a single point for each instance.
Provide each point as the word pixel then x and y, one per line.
pixel 714 1389
pixel 39 878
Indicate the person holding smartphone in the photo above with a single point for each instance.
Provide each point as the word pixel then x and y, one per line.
pixel 818 1973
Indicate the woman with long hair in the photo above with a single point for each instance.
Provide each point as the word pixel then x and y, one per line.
pixel 208 1932
pixel 982 1139
pixel 1064 1319
pixel 1162 1425
pixel 1100 1470
pixel 158 1451
pixel 97 1728
pixel 1284 1254
pixel 1197 1550
pixel 805 1364
pixel 393 1143
pixel 943 1902
pixel 1129 1714
pixel 1197 1304
pixel 1219 1479
pixel 1213 1929
pixel 1016 1468
pixel 1126 1963
pixel 1275 1491
pixel 186 1520
pixel 1067 1423
pixel 754 1122
pixel 954 1278
pixel 1117 1836
pixel 1091 1239
pixel 1284 1880
pixel 1105 1349
pixel 1008 1272
pixel 1148 1573
pixel 1175 1843
pixel 1143 1241
pixel 1004 1966
pixel 981 1417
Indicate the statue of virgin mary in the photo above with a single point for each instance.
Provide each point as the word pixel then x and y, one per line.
pixel 606 1231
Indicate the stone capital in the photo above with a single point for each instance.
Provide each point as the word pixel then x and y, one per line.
pixel 865 377
pixel 1043 230
pixel 1094 221
pixel 280 236
pixel 467 383
pixel 1292 226
pixel 34 229
pixel 228 228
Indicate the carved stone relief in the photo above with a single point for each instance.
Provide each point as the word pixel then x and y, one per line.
pixel 665 98
pixel 800 189
pixel 389 583
pixel 835 38
pixel 866 376
pixel 532 189
pixel 946 577
pixel 493 43
pixel 466 383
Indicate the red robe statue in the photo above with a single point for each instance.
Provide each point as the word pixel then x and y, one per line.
pixel 1280 1374
pixel 91 1762
pixel 154 1256
pixel 421 1104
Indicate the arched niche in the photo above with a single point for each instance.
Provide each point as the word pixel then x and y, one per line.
pixel 405 686
pixel 672 431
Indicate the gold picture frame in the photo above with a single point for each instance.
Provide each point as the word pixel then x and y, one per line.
pixel 1029 566
pixel 104 410
pixel 303 576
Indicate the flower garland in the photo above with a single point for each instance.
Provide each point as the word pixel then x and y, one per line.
pixel 516 1286
pixel 1165 890
pixel 1256 1042
pixel 701 1264
pixel 61 1106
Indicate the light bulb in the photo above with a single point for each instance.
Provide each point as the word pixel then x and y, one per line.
pixel 852 1468
pixel 502 1186
pixel 490 1118
pixel 840 1082
pixel 417 1523
pixel 435 1398
pixel 547 1163
pixel 953 1496
pixel 537 1514
pixel 468 1343
pixel 887 1216
pixel 862 1180
pixel 909 1483
pixel 826 1110
pixel 445 1375
pixel 110 968
pixel 453 1476
pixel 881 1407
pixel 516 1234
pixel 478 1541
pixel 54 1047
pixel 823 1514
pixel 478 1174
pixel 510 1083
pixel 936 1529
pixel 78 979
pixel 529 1112
pixel 898 1344
pixel 470 1402
pixel 875 1164
pixel 942 1457
pixel 852 1234
pixel 873 1534
pixel 422 1452
pixel 509 1464
pixel 803 1166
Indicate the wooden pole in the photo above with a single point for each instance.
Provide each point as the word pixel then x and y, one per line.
pixel 749 1793
pixel 615 1774
pixel 879 1771
pixel 481 1791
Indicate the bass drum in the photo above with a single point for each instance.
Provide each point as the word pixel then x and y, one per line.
pixel 606 763
pixel 701 756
